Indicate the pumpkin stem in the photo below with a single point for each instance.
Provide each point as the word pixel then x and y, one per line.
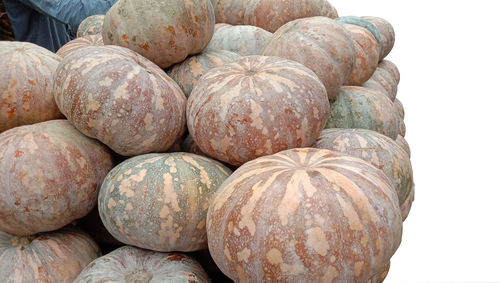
pixel 138 276
pixel 22 241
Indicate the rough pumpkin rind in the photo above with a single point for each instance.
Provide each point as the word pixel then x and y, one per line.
pixel 319 43
pixel 386 33
pixel 256 106
pixel 159 201
pixel 80 42
pixel 50 175
pixel 26 84
pixel 49 257
pixel 383 81
pixel 304 215
pixel 120 98
pixel 92 25
pixel 242 39
pixel 165 32
pixel 130 264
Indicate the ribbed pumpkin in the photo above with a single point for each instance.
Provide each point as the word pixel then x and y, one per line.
pixel 391 68
pixel 383 81
pixel 363 108
pixel 398 106
pixel 187 73
pixel 50 175
pixel 26 84
pixel 165 32
pixel 304 215
pixel 376 149
pixel 133 265
pixel 256 106
pixel 159 201
pixel 386 33
pixel 406 206
pixel 244 40
pixel 403 144
pixel 380 277
pixel 219 26
pixel 120 98
pixel 402 128
pixel 359 21
pixel 49 257
pixel 269 14
pixel 321 44
pixel 92 25
pixel 80 42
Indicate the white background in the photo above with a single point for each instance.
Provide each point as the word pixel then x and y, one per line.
pixel 448 56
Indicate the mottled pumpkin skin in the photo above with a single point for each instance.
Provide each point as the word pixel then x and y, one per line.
pixel 391 68
pixel 319 43
pixel 403 144
pixel 165 32
pixel 383 81
pixel 256 106
pixel 304 215
pixel 363 108
pixel 376 149
pixel 243 39
pixel 130 264
pixel 50 175
pixel 188 145
pixel 159 201
pixel 187 73
pixel 359 21
pixel 270 14
pixel 402 128
pixel 48 257
pixel 366 55
pixel 120 98
pixel 26 84
pixel 386 33
pixel 92 25
pixel 80 42
pixel 406 206
pixel 380 277
pixel 399 108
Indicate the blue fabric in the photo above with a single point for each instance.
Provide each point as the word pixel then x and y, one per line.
pixel 51 23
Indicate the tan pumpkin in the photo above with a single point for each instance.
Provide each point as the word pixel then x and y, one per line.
pixel 92 25
pixel 403 144
pixel 387 34
pixel 402 128
pixel 26 84
pixel 366 54
pixel 383 81
pixel 304 215
pixel 406 206
pixel 380 277
pixel 80 42
pixel 399 108
pixel 242 39
pixel 391 68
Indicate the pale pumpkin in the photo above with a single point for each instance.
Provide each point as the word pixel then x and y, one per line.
pixel 359 21
pixel 92 25
pixel 380 277
pixel 242 39
pixel 386 34
pixel 391 68
pixel 406 206
pixel 80 42
pixel 399 108
pixel 403 144
pixel 383 81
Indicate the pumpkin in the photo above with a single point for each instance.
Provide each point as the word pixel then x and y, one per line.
pixel 304 215
pixel 159 201
pixel 187 73
pixel 188 145
pixel 380 277
pixel 256 106
pixel 92 224
pixel 399 108
pixel 383 81
pixel 386 34
pixel 164 32
pixel 130 264
pixel 321 44
pixel 48 257
pixel 402 128
pixel 49 176
pixel 378 150
pixel 363 108
pixel 406 206
pixel 358 21
pixel 391 68
pixel 80 42
pixel 26 84
pixel 92 25
pixel 403 144
pixel 269 14
pixel 244 40
pixel 120 98
pixel 219 26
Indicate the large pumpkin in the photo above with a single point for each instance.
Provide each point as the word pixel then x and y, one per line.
pixel 50 175
pixel 159 201
pixel 256 106
pixel 386 34
pixel 80 42
pixel 364 108
pixel 26 84
pixel 120 98
pixel 321 44
pixel 383 81
pixel 304 215
pixel 133 265
pixel 242 39
pixel 269 14
pixel 92 25
pixel 48 257
pixel 165 32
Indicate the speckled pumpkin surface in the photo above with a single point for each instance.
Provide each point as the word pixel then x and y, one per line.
pixel 399 108
pixel 391 68
pixel 270 14
pixel 319 43
pixel 402 127
pixel 26 84
pixel 48 257
pixel 159 201
pixel 80 42
pixel 376 149
pixel 359 21
pixel 92 25
pixel 120 98
pixel 256 106
pixel 386 33
pixel 165 32
pixel 304 215
pixel 242 39
pixel 403 144
pixel 50 175
pixel 406 206
pixel 187 73
pixel 134 265
pixel 383 81
pixel 380 277
pixel 363 108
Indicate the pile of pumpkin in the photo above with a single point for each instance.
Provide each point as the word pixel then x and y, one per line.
pixel 273 139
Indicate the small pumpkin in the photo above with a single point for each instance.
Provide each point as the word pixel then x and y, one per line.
pixel 219 26
pixel 406 206
pixel 386 33
pixel 241 39
pixel 383 81
pixel 399 108
pixel 402 128
pixel 92 25
pixel 403 144
pixel 80 42
pixel 359 21
pixel 391 68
